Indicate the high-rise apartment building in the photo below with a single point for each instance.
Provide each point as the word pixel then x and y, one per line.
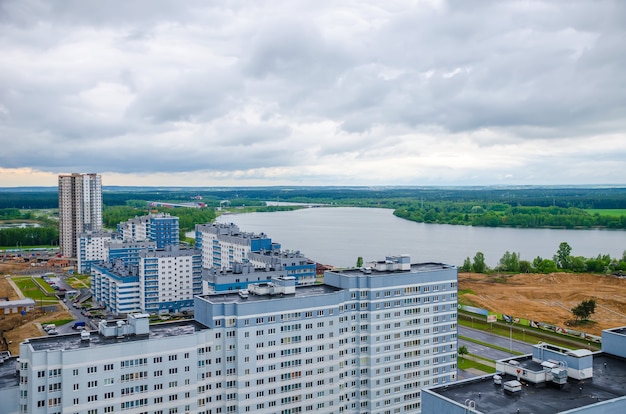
pixel 366 341
pixel 80 209
pixel 160 228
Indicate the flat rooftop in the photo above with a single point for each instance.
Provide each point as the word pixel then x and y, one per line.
pixel 73 340
pixel 620 331
pixel 415 268
pixel 8 376
pixel 301 292
pixel 607 383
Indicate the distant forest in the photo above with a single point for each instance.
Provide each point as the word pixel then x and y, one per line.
pixel 389 197
pixel 529 207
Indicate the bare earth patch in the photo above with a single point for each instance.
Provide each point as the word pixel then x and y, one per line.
pixel 16 328
pixel 549 297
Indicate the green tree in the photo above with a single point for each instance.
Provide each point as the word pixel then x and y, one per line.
pixel 479 265
pixel 463 351
pixel 562 257
pixel 544 265
pixel 584 310
pixel 510 262
pixel 467 265
pixel 359 261
pixel 525 266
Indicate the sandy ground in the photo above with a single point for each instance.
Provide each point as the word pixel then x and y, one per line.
pixel 545 298
pixel 16 328
pixel 549 298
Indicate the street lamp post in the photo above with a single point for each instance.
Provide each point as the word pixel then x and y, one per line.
pixel 510 338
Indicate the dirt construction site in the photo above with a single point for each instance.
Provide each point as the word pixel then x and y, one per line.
pixel 548 298
pixel 545 298
pixel 15 328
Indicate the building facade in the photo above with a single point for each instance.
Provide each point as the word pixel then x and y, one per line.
pixel 128 251
pixel 363 342
pixel 223 245
pixel 294 263
pixel 169 279
pixel 238 278
pixel 115 286
pixel 160 228
pixel 92 248
pixel 80 209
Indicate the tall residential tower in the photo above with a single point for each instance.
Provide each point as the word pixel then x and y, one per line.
pixel 80 209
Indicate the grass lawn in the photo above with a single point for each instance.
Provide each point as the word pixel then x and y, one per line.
pixel 613 212
pixel 79 281
pixel 527 334
pixel 499 348
pixel 464 363
pixel 57 322
pixel 42 283
pixel 31 290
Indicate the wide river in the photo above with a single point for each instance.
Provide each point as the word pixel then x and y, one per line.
pixel 338 236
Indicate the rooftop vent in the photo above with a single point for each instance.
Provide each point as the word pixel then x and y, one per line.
pixel 513 386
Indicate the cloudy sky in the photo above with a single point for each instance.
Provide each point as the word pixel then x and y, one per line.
pixel 283 92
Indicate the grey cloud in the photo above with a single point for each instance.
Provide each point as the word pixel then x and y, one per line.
pixel 233 87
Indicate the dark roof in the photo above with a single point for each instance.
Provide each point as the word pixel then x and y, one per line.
pixel 607 383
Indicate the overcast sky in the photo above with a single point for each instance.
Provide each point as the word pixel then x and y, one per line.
pixel 363 92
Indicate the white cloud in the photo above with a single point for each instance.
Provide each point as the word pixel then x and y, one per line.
pixel 313 93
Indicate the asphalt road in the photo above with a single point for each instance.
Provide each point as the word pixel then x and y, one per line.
pixel 487 352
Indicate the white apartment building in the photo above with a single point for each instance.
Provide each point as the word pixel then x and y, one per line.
pixel 115 286
pixel 80 209
pixel 169 279
pixel 365 341
pixel 92 248
pixel 222 245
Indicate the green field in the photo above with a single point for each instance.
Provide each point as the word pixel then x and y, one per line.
pixel 79 281
pixel 31 290
pixel 613 212
pixel 465 363
pixel 43 285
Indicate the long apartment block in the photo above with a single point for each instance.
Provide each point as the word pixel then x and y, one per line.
pixel 365 341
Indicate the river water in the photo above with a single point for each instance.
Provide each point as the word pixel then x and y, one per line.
pixel 338 236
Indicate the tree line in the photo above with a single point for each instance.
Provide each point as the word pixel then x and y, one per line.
pixel 29 236
pixel 562 260
pixel 505 215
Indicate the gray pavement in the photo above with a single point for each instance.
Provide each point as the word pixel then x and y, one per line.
pixel 485 351
pixel 486 337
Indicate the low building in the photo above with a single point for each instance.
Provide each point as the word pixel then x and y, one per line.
pixel 238 278
pixel 294 263
pixel 550 380
pixel 8 307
